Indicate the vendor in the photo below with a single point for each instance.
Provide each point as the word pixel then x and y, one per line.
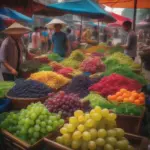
pixel 131 42
pixel 11 51
pixel 60 44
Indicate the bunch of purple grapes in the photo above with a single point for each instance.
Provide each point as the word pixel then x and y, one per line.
pixel 63 103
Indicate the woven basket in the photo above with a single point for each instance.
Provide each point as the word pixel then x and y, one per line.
pixel 19 103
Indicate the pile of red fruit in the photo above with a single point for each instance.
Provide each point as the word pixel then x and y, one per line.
pixel 63 103
pixel 92 65
pixel 111 84
pixel 65 71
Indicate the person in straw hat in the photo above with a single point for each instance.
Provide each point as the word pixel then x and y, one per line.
pixel 11 51
pixel 60 44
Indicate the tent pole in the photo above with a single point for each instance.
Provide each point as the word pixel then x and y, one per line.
pixel 98 31
pixel 81 28
pixel 134 14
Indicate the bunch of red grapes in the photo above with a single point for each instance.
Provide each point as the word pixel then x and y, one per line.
pixel 63 103
pixel 92 65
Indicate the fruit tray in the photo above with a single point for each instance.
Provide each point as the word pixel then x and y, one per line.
pixel 131 124
pixel 10 142
pixel 138 142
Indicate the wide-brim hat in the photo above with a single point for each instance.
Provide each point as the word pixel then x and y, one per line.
pixel 17 28
pixel 52 23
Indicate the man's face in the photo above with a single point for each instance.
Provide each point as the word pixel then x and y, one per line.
pixel 57 27
pixel 16 36
pixel 126 28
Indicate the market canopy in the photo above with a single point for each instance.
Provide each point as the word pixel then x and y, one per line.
pixel 15 15
pixel 120 19
pixel 85 8
pixel 126 3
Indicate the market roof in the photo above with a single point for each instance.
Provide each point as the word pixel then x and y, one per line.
pixel 125 3
pixel 86 8
pixel 14 15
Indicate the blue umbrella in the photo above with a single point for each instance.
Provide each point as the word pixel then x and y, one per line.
pixel 86 8
pixel 14 15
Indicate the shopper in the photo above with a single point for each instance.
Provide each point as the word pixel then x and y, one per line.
pixel 60 44
pixel 95 33
pixel 44 40
pixel 36 39
pixel 11 51
pixel 130 48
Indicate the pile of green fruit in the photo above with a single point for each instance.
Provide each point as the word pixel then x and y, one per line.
pixel 74 59
pixel 33 123
pixel 55 57
pixel 92 131
pixel 5 86
pixel 45 67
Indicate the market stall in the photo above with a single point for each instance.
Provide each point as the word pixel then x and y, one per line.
pixel 94 95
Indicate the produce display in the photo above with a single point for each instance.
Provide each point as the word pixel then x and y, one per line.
pixel 45 67
pixel 56 66
pixel 125 71
pixel 111 84
pixel 29 89
pixel 74 59
pixel 63 103
pixel 115 49
pixel 119 108
pixel 128 96
pixel 50 78
pixel 124 59
pixel 55 57
pixel 94 130
pixel 30 66
pixel 92 65
pixel 65 71
pixel 33 123
pixel 5 86
pixel 79 85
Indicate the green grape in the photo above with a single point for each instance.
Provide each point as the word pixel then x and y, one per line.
pixel 31 130
pixel 111 133
pixel 130 147
pixel 73 120
pixel 76 135
pixel 66 137
pixel 122 145
pixel 93 133
pixel 100 142
pixel 102 133
pixel 81 119
pixel 84 145
pixel 111 116
pixel 33 116
pixel 87 116
pixel 53 118
pixel 59 140
pixel 81 128
pixel 86 136
pixel 96 116
pixel 98 109
pixel 43 124
pixel 90 123
pixel 49 128
pixel 63 130
pixel 50 122
pixel 38 121
pixel 119 133
pixel 111 140
pixel 105 113
pixel 37 128
pixel 36 134
pixel 70 128
pixel 43 130
pixel 108 147
pixel 78 113
pixel 61 121
pixel 75 144
pixel 91 145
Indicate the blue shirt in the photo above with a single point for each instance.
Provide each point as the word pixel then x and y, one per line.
pixel 59 40
pixel 45 33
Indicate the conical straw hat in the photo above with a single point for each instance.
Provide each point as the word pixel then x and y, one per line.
pixel 16 28
pixel 55 21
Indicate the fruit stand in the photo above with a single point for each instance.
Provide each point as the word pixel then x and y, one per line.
pixel 93 96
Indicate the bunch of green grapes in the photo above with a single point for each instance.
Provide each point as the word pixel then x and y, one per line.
pixel 33 123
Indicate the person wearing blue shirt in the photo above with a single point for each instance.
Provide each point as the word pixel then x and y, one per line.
pixel 60 43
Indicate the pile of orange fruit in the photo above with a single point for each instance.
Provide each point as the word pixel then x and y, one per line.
pixel 128 97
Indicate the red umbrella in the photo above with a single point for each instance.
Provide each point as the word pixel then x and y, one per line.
pixel 120 19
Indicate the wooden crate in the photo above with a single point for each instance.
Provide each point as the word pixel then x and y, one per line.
pixel 138 142
pixel 10 142
pixel 131 124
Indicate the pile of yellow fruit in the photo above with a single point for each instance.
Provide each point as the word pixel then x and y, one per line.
pixel 50 78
